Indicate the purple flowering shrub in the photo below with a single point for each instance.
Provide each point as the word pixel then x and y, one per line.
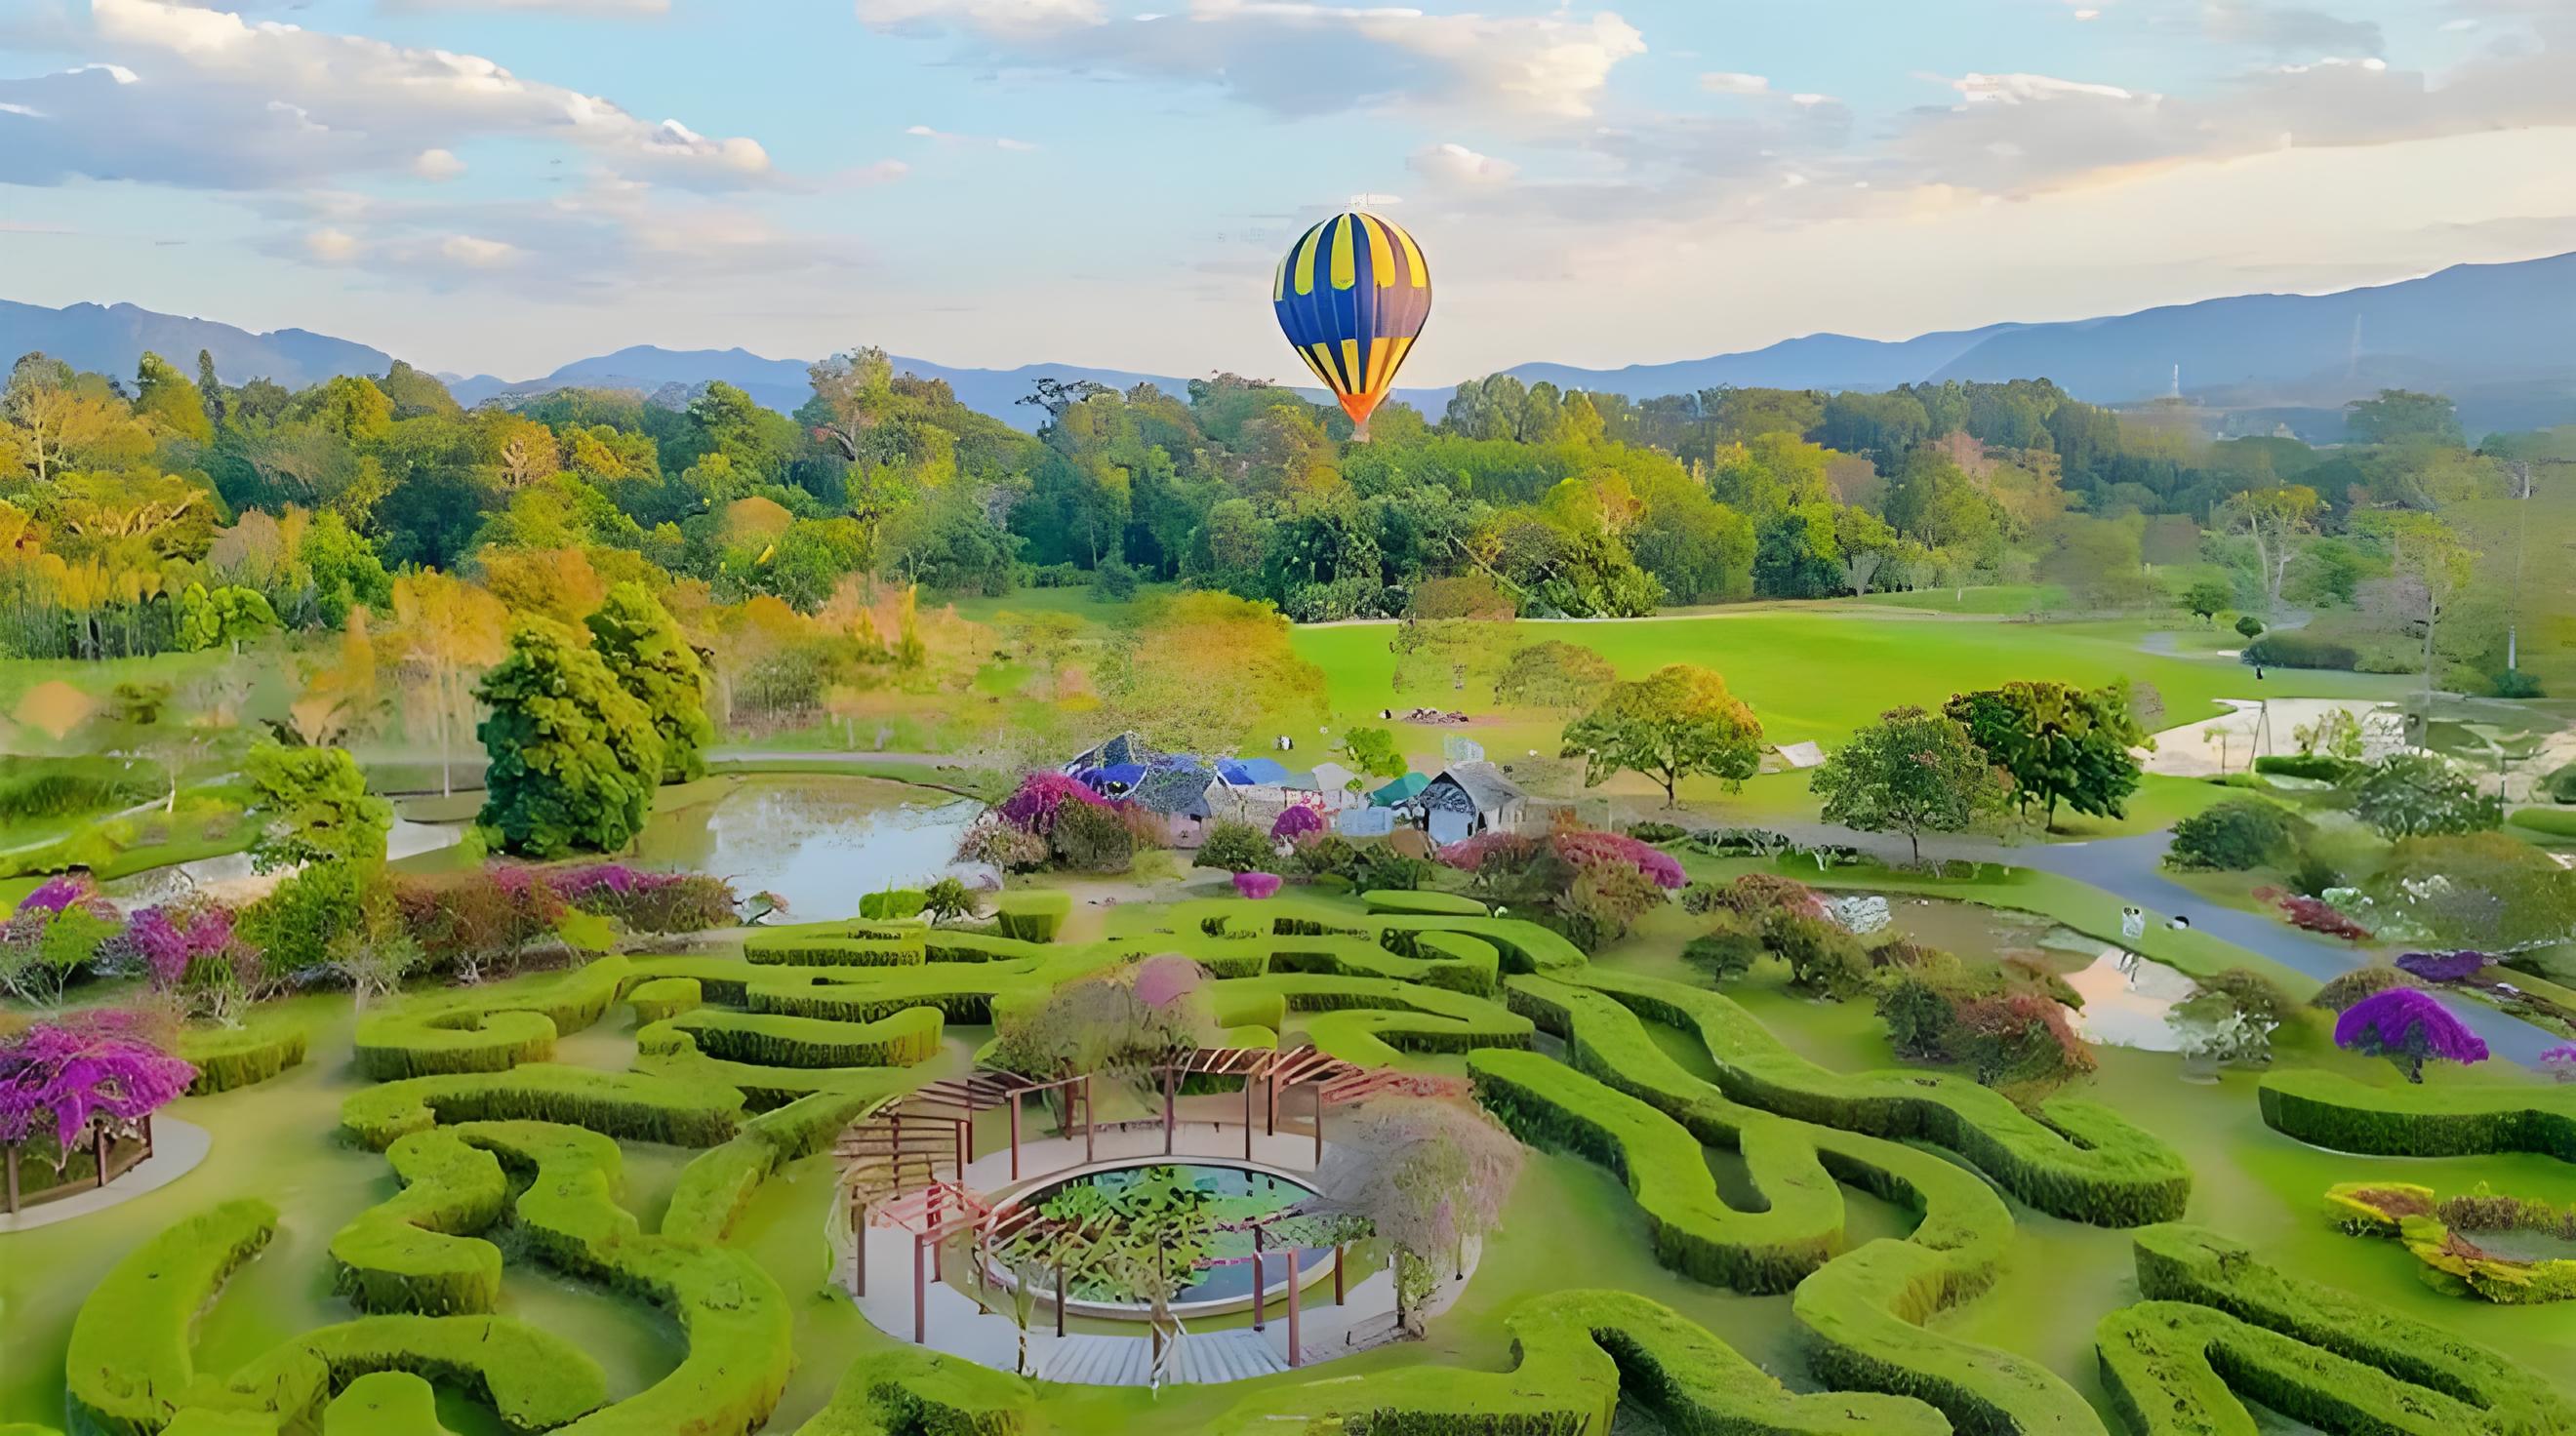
pixel 64 1079
pixel 2457 966
pixel 2408 1027
pixel 1257 885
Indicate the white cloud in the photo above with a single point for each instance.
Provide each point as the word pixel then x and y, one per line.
pixel 1455 164
pixel 1729 82
pixel 223 102
pixel 1295 57
pixel 437 165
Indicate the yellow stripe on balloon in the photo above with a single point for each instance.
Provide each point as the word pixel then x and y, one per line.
pixel 1323 362
pixel 1351 365
pixel 1421 275
pixel 1306 259
pixel 1381 253
pixel 1345 257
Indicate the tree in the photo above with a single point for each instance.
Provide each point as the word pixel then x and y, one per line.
pixel 446 627
pixel 638 641
pixel 574 757
pixel 1674 723
pixel 1910 772
pixel 1423 1176
pixel 2206 598
pixel 2276 519
pixel 2059 743
pixel 312 806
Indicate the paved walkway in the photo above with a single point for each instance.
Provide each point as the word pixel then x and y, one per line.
pixel 980 1328
pixel 177 1148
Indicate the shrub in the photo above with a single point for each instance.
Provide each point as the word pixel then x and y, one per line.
pixel 2299 650
pixel 2409 1028
pixel 1823 957
pixel 1087 839
pixel 2345 989
pixel 1236 848
pixel 2236 835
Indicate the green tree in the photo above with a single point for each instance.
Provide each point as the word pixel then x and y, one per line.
pixel 574 756
pixel 2059 743
pixel 313 807
pixel 1911 772
pixel 637 639
pixel 1677 721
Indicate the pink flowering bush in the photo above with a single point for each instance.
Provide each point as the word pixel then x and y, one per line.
pixel 1257 885
pixel 2408 1027
pixel 1297 823
pixel 65 1079
pixel 1032 807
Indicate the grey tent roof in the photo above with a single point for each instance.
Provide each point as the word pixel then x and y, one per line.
pixel 1174 788
pixel 1483 783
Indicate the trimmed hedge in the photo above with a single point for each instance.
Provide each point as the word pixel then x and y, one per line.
pixel 129 1368
pixel 2326 1109
pixel 660 999
pixel 487 1032
pixel 630 1105
pixel 2073 1158
pixel 1437 904
pixel 230 1057
pixel 1576 1354
pixel 2217 1323
pixel 418 1252
pixel 1032 916
pixel 900 1039
pixel 929 1393
pixel 384 1403
pixel 715 1188
pixel 740 1333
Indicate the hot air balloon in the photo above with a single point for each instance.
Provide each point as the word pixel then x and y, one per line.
pixel 1352 293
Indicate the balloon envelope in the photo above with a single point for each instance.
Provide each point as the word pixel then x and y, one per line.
pixel 1352 294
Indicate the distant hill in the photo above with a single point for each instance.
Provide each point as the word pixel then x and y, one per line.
pixel 2495 337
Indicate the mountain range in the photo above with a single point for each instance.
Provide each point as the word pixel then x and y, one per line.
pixel 2495 337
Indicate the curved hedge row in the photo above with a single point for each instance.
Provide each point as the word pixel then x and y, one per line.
pixel 2217 1323
pixel 910 1389
pixel 2326 1109
pixel 1576 1354
pixel 230 1057
pixel 740 1333
pixel 487 1032
pixel 2083 1162
pixel 899 1039
pixel 128 1367
pixel 659 999
pixel 634 1105
pixel 417 1252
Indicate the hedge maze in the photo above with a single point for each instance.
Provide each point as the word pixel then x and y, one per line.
pixel 754 1061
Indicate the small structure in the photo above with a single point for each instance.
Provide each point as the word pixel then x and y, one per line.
pixel 1471 798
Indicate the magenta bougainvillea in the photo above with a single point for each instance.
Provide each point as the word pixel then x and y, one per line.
pixel 1296 823
pixel 2444 966
pixel 2409 1027
pixel 1257 885
pixel 67 1077
pixel 1031 809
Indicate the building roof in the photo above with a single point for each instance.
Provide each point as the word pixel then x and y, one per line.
pixel 1483 783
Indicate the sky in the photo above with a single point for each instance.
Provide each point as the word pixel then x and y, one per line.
pixel 502 186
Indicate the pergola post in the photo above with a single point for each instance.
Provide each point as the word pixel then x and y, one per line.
pixel 1296 1278
pixel 1014 1100
pixel 1170 1098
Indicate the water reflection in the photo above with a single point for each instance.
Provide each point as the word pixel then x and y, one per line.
pixel 820 842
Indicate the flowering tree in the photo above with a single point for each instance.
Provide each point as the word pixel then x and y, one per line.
pixel 2407 1026
pixel 1425 1177
pixel 83 1074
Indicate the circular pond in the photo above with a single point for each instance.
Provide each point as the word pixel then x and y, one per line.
pixel 1235 1195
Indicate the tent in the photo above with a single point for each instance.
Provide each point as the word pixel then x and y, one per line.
pixel 1403 789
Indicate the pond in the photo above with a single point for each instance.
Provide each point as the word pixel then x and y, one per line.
pixel 821 842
